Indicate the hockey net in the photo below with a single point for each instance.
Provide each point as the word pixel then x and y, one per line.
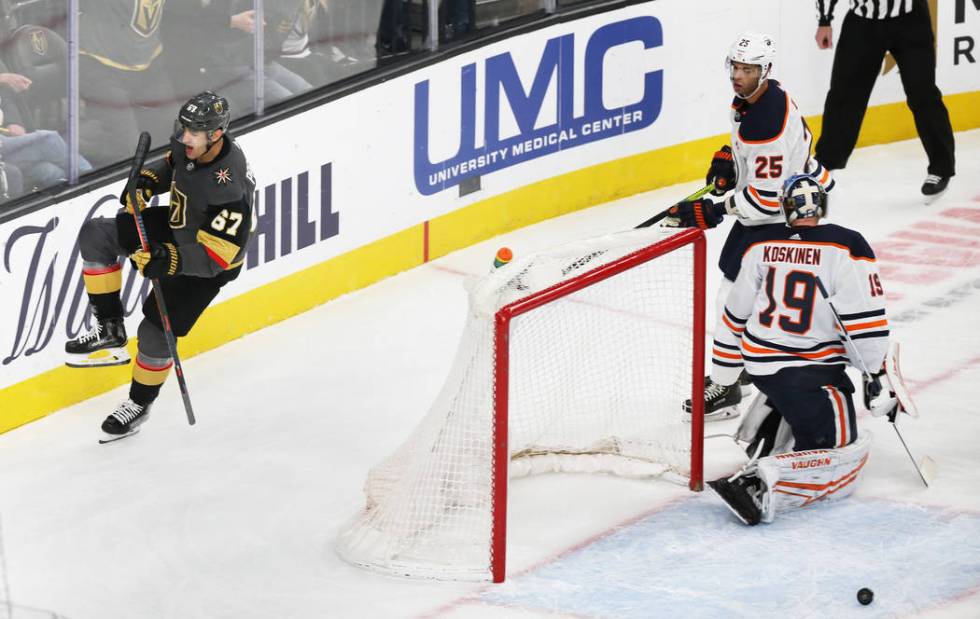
pixel 576 359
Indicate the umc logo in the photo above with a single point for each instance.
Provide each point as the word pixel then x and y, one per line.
pixel 526 102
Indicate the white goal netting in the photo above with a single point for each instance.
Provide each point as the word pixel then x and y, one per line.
pixel 595 383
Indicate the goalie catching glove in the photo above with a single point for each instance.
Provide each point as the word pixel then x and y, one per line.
pixel 163 260
pixel 700 213
pixel 145 182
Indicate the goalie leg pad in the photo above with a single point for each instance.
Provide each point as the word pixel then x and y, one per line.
pixel 800 478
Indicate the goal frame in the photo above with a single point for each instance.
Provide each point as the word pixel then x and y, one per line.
pixel 502 322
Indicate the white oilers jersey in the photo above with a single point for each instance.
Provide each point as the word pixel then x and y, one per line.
pixel 775 317
pixel 770 143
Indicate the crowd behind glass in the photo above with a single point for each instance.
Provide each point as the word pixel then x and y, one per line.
pixel 138 60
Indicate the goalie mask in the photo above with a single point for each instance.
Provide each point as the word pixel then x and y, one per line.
pixel 803 197
pixel 752 48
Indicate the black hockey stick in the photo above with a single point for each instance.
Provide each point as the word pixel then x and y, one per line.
pixel 142 148
pixel 866 372
pixel 663 214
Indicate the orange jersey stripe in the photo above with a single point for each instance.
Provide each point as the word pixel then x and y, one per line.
pixel 868 325
pixel 728 323
pixel 725 355
pixel 762 200
pixel 806 355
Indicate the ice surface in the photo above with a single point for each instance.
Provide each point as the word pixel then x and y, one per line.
pixel 236 516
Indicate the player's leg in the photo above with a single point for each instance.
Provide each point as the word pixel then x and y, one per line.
pixel 105 343
pixel 103 241
pixel 186 299
pixel 150 371
pixel 912 43
pixel 857 60
pixel 829 454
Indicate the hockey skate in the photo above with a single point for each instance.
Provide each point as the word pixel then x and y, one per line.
pixel 934 187
pixel 742 496
pixel 103 345
pixel 124 421
pixel 720 401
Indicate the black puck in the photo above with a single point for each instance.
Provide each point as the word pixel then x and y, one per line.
pixel 865 595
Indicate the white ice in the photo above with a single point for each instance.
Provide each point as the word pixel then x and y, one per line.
pixel 236 517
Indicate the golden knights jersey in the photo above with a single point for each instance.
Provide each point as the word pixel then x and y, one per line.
pixel 775 317
pixel 210 208
pixel 770 143
pixel 124 34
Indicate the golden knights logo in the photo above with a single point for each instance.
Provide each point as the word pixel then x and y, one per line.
pixel 39 42
pixel 146 16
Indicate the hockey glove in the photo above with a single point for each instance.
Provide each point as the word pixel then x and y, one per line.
pixel 145 182
pixel 722 171
pixel 872 387
pixel 163 260
pixel 701 213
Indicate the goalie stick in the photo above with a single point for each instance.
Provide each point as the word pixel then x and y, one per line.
pixel 902 401
pixel 142 148
pixel 663 214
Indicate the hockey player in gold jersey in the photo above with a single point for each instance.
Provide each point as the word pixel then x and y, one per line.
pixel 196 245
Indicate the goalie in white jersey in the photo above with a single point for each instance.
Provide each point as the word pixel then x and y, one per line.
pixel 801 430
pixel 770 143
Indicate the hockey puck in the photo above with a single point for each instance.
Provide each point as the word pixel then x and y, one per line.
pixel 865 596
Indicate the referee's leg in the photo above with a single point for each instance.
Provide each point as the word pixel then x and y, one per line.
pixel 860 51
pixel 912 43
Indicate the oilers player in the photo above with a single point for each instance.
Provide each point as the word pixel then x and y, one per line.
pixel 197 245
pixel 770 143
pixel 801 429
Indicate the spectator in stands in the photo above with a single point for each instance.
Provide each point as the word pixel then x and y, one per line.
pixel 122 86
pixel 38 158
pixel 226 62
pixel 290 43
pixel 457 18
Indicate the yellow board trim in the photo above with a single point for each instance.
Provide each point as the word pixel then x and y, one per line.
pixel 296 293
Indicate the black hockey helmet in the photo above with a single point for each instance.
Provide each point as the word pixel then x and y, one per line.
pixel 204 112
pixel 803 197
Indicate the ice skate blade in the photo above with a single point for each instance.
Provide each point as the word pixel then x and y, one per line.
pixel 99 359
pixel 930 199
pixel 112 438
pixel 723 414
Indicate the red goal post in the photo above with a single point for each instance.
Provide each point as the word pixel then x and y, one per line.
pixel 501 456
pixel 577 359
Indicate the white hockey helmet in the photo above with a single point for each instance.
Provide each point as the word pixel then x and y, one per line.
pixel 753 48
pixel 803 197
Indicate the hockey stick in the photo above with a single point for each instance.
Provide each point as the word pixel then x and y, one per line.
pixel 663 214
pixel 855 354
pixel 142 148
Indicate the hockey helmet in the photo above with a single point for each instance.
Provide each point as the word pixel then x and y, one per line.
pixel 803 197
pixel 204 112
pixel 753 48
